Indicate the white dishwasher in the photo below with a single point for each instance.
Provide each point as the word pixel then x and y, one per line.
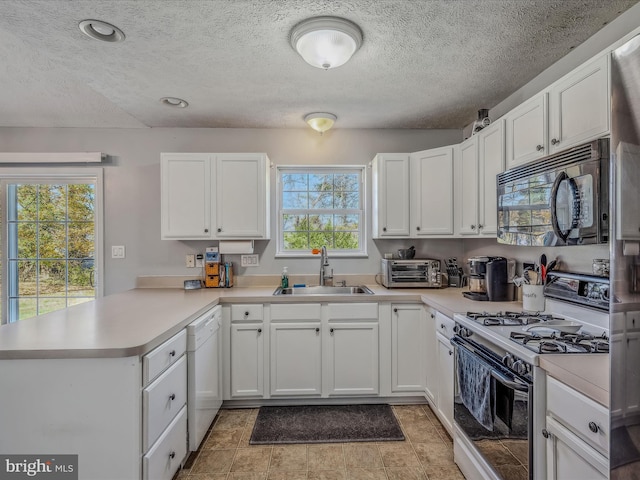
pixel 204 395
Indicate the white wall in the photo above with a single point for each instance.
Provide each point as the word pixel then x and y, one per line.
pixel 132 187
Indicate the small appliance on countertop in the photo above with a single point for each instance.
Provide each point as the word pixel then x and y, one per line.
pixel 416 273
pixel 491 279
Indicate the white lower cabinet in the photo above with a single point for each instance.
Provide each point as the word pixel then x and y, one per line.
pixel 163 460
pixel 351 364
pixel 431 358
pixel 247 360
pixel 408 345
pixel 445 371
pixel 295 350
pixel 577 433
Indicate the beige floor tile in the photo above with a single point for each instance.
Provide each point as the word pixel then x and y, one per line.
pixel 326 475
pixel 362 456
pixel 434 453
pixel 208 476
pixel 283 475
pixel 409 412
pixel 247 476
pixel 439 472
pixel 406 473
pixel 223 439
pixel 289 457
pixel 246 435
pixel 252 459
pixel 366 474
pixel 422 431
pixel 229 419
pixel 326 457
pixel 213 461
pixel 398 455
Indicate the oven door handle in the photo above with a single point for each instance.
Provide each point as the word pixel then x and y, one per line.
pixel 495 373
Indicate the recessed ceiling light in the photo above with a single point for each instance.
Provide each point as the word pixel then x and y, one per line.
pixel 174 102
pixel 101 30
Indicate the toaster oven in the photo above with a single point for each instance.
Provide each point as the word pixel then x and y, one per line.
pixel 417 273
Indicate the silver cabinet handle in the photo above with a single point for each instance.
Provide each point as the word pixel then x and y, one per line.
pixel 473 227
pixel 219 229
pixel 384 229
pixel 555 141
pixel 593 426
pixel 172 396
pixel 172 353
pixel 450 352
pixel 317 330
pixel 539 148
pixel 545 433
pixel 331 331
pixel 480 226
pixel 259 330
pixel 172 455
pixel 418 228
pixel 206 230
pixel 246 314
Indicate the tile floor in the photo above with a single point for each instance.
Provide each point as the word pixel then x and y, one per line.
pixel 425 454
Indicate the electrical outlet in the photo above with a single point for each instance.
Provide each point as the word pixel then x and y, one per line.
pixel 199 260
pixel 191 260
pixel 249 260
pixel 117 251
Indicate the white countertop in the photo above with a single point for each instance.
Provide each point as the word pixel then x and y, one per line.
pixel 134 322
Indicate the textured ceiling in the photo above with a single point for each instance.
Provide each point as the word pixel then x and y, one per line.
pixel 423 64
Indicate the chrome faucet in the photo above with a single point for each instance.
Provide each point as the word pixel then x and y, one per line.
pixel 325 280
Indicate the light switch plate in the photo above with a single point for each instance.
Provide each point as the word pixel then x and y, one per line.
pixel 191 260
pixel 249 260
pixel 117 251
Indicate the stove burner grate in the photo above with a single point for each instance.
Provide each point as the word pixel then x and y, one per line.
pixel 561 342
pixel 509 318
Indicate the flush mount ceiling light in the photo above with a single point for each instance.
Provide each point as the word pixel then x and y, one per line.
pixel 326 42
pixel 174 102
pixel 101 30
pixel 320 121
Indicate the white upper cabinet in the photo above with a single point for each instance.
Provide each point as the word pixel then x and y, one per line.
pixel 526 129
pixel 186 195
pixel 579 105
pixel 215 196
pixel 432 192
pixel 390 174
pixel 572 111
pixel 491 152
pixel 241 195
pixel 467 194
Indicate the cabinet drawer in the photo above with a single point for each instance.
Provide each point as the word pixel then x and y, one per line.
pixel 353 311
pixel 166 455
pixel 162 357
pixel 304 311
pixel 162 400
pixel 444 325
pixel 246 312
pixel 579 414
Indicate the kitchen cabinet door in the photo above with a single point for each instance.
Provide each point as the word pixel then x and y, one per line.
pixel 467 191
pixel 526 131
pixel 390 195
pixel 491 152
pixel 247 360
pixel 570 457
pixel 431 358
pixel 241 196
pixel 296 367
pixel 445 382
pixel 352 358
pixel 579 105
pixel 185 196
pixel 408 345
pixel 432 192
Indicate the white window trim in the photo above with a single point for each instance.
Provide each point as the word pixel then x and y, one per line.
pixel 362 169
pixel 10 175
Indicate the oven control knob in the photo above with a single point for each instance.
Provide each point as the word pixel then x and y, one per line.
pixel 520 367
pixel 462 331
pixel 508 360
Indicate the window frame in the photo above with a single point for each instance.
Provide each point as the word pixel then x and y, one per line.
pixel 51 175
pixel 361 170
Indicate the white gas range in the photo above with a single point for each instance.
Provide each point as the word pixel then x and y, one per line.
pixel 500 400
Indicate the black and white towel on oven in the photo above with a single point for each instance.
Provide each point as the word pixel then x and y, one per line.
pixel 474 383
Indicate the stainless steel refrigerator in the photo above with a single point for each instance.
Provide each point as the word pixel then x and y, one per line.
pixel 625 262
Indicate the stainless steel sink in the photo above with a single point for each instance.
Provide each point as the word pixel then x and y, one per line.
pixel 319 290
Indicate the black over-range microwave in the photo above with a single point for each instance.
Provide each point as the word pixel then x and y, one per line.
pixel 562 199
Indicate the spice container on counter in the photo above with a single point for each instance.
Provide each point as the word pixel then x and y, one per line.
pixel 601 267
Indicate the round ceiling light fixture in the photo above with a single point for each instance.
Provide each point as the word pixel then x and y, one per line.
pixel 326 42
pixel 101 30
pixel 320 121
pixel 174 102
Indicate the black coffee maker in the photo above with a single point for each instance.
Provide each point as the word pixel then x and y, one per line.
pixel 495 273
